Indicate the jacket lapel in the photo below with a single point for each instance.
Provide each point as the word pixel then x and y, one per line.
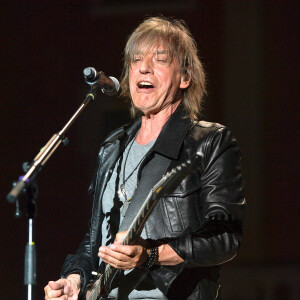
pixel 173 133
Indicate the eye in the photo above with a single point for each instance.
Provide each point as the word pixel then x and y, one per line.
pixel 136 58
pixel 163 58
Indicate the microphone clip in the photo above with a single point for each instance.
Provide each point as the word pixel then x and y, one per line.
pixel 108 85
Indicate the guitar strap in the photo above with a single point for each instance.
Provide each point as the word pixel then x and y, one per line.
pixel 155 169
pixel 151 174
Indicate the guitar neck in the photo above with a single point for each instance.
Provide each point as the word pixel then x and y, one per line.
pixel 166 185
pixel 135 229
pixel 133 232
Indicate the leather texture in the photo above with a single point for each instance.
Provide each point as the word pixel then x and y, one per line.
pixel 201 220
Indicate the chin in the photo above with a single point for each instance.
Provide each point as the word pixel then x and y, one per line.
pixel 144 107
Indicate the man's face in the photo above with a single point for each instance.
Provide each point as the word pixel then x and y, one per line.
pixel 155 81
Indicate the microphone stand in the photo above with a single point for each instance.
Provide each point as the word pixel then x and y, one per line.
pixel 27 185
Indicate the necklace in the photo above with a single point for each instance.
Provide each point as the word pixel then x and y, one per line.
pixel 122 190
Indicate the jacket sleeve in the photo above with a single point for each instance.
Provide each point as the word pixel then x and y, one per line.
pixel 79 263
pixel 85 260
pixel 221 202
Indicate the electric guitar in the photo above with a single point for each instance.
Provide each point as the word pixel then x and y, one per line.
pixel 167 184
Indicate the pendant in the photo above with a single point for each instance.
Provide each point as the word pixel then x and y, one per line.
pixel 122 192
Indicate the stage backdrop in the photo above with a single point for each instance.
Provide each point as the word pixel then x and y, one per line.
pixel 248 50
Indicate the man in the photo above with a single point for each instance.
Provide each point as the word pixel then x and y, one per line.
pixel 190 232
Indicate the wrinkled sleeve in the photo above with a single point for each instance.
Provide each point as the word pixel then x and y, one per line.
pixel 221 202
pixel 79 263
pixel 85 260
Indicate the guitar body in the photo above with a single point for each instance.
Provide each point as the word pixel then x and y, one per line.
pixel 103 284
pixel 97 288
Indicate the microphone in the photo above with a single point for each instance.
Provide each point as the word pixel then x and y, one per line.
pixel 109 85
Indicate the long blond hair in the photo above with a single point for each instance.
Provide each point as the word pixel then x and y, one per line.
pixel 181 46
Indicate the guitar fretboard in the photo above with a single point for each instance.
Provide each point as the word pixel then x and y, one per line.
pixel 166 185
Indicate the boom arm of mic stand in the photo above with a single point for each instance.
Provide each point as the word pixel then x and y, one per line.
pixel 45 153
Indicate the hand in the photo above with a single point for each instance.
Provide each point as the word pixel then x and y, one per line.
pixel 63 289
pixel 125 257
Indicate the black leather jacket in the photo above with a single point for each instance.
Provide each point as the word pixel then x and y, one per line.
pixel 201 220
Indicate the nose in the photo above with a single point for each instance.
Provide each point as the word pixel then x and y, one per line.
pixel 146 66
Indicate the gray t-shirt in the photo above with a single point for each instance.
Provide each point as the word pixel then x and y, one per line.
pixel 113 204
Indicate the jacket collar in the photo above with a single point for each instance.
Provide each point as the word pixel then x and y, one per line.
pixel 173 133
pixel 171 137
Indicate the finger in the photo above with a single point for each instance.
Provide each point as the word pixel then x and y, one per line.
pixel 120 237
pixel 57 288
pixel 59 284
pixel 68 290
pixel 119 252
pixel 119 260
pixel 117 264
pixel 107 253
pixel 50 294
pixel 55 293
pixel 128 250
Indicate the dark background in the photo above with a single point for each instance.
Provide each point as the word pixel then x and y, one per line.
pixel 249 52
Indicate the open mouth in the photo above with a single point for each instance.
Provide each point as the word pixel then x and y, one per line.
pixel 145 85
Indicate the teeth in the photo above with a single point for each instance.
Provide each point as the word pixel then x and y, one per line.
pixel 145 84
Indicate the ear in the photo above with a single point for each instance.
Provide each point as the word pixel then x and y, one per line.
pixel 185 81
